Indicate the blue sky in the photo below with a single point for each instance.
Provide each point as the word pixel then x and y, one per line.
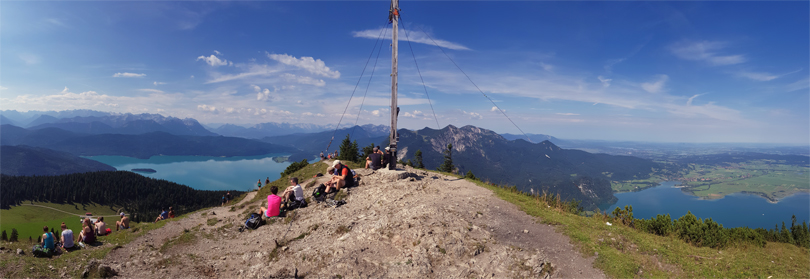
pixel 637 71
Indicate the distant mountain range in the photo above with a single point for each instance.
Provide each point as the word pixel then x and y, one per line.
pixel 312 144
pixel 27 160
pixel 535 138
pixel 537 167
pixel 139 146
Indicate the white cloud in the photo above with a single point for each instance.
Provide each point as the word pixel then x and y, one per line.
pixel 567 113
pixel 217 52
pixel 158 83
pixel 758 76
pixel 315 66
pixel 494 109
pixel 207 108
pixel 304 80
pixel 214 61
pixel 29 58
pixel 414 36
pixel 706 51
pixel 798 85
pixel 375 112
pixel 252 71
pixel 547 67
pixel 605 81
pixel 473 115
pixel 128 75
pixel 655 86
pixel 689 102
pixel 151 90
pixel 3 88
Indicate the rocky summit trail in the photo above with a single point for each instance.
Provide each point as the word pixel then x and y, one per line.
pixel 411 224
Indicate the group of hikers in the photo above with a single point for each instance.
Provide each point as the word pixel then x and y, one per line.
pixel 342 177
pixel 67 241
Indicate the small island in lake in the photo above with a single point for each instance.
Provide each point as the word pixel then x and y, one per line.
pixel 145 170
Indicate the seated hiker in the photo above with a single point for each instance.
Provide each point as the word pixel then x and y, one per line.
pixel 374 160
pixel 163 215
pixel 293 196
pixel 101 227
pixel 123 224
pixel 87 235
pixel 46 246
pixel 66 238
pixel 273 203
pixel 343 177
pixel 171 211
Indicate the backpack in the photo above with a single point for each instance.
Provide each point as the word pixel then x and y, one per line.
pixel 254 221
pixel 320 193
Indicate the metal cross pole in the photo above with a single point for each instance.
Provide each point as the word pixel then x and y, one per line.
pixel 394 109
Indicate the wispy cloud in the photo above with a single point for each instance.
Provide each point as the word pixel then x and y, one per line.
pixel 128 75
pixel 472 115
pixel 798 85
pixel 156 83
pixel 706 51
pixel 605 81
pixel 655 86
pixel 689 102
pixel 762 76
pixel 151 90
pixel 414 36
pixel 315 66
pixel 214 61
pixel 304 80
pixel 29 58
pixel 567 113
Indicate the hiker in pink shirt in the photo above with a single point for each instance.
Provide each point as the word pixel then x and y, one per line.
pixel 273 203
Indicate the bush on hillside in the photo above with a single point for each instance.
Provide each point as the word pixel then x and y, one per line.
pixel 295 167
pixel 14 235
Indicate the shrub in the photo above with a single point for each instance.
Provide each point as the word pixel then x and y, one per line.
pixel 745 234
pixel 295 167
pixel 689 228
pixel 713 235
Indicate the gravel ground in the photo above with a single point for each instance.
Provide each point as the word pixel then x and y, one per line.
pixel 402 224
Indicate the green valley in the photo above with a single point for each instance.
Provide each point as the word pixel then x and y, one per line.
pixel 768 178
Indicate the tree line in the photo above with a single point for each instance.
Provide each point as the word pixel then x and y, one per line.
pixel 141 197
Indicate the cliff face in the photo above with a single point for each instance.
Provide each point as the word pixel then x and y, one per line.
pixel 409 223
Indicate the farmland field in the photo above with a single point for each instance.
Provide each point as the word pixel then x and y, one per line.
pixel 763 177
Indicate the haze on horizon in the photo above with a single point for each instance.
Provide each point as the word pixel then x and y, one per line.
pixel 630 71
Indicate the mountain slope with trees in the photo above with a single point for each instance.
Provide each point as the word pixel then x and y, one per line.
pixel 543 166
pixel 27 160
pixel 141 196
pixel 138 146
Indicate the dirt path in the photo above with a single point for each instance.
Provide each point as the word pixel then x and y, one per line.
pixel 411 224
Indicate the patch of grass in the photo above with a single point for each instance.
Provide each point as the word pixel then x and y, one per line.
pixel 204 214
pixel 212 221
pixel 624 251
pixel 340 195
pixel 187 237
pixel 283 182
pixel 14 266
pixel 441 250
pixel 29 219
pixel 409 262
pixel 342 229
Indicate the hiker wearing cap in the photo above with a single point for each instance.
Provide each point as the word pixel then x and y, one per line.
pixel 343 177
pixel 386 159
pixel 123 224
pixel 374 160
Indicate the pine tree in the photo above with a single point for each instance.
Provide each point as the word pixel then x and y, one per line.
pixel 348 150
pixel 418 160
pixel 367 151
pixel 470 175
pixel 785 234
pixel 4 236
pixel 14 235
pixel 447 166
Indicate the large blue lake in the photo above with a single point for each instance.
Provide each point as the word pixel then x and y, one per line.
pixel 735 210
pixel 203 172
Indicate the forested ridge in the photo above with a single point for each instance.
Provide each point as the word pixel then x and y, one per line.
pixel 141 197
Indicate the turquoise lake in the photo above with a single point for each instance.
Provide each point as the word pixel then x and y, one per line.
pixel 735 210
pixel 204 172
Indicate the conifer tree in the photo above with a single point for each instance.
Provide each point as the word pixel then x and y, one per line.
pixel 14 235
pixel 4 236
pixel 418 160
pixel 348 150
pixel 470 175
pixel 447 166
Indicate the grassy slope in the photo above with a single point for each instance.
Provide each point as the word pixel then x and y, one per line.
pixel 14 266
pixel 28 220
pixel 623 252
